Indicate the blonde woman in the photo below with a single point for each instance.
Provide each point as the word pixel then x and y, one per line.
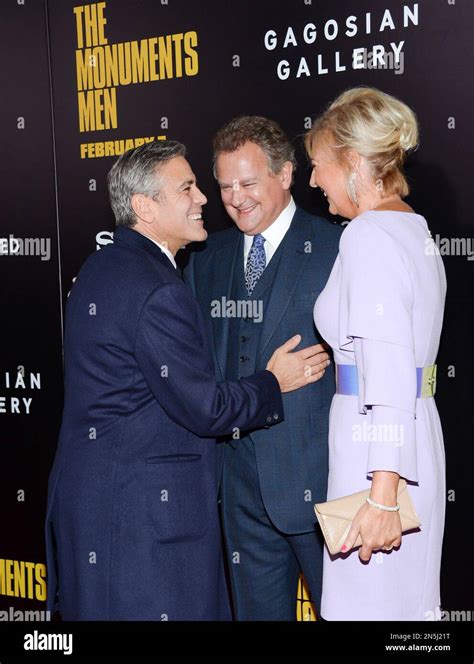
pixel 381 311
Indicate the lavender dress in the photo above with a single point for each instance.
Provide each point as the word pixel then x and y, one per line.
pixel 382 309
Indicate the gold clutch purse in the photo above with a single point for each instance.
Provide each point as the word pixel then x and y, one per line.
pixel 335 517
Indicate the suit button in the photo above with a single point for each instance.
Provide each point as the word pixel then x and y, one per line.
pixel 275 416
pixel 269 419
pixel 243 339
pixel 242 358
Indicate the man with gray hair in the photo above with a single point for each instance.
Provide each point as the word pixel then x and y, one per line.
pixel 132 526
pixel 279 257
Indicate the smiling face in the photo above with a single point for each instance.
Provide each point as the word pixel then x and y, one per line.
pixel 174 217
pixel 330 176
pixel 252 195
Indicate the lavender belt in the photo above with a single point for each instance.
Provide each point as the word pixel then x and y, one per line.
pixel 348 384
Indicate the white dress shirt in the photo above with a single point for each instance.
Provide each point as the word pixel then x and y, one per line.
pixel 165 250
pixel 274 234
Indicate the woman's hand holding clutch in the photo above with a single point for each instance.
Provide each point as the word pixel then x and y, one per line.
pixel 378 528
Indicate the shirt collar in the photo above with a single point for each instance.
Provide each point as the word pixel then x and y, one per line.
pixel 275 233
pixel 165 250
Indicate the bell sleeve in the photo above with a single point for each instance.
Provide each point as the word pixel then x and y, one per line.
pixel 375 321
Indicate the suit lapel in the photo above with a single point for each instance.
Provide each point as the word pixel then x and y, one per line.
pixel 293 260
pixel 228 259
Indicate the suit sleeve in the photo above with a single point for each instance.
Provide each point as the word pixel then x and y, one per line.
pixel 376 316
pixel 189 273
pixel 176 362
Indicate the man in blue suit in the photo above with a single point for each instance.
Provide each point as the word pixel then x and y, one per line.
pixel 132 523
pixel 279 257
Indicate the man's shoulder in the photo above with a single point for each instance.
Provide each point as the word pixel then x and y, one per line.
pixel 120 270
pixel 222 238
pixel 321 226
pixel 203 251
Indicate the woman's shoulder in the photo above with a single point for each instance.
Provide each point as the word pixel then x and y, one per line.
pixel 361 229
pixel 382 235
pixel 374 223
pixel 380 216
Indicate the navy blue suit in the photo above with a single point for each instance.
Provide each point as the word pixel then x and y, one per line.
pixel 132 523
pixel 271 477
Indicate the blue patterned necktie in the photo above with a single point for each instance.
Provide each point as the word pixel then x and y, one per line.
pixel 256 261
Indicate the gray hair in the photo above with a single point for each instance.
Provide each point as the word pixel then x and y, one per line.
pixel 135 172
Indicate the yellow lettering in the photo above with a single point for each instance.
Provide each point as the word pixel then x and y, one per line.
pixel 2 576
pixel 111 65
pixel 109 149
pixel 125 69
pixel 16 579
pixel 90 18
pixel 19 577
pixel 86 111
pixel 84 70
pixel 178 38
pixel 153 57
pixel 97 110
pixel 166 57
pixel 9 577
pixel 80 39
pixel 99 67
pixel 140 62
pixel 29 568
pixel 40 575
pixel 110 108
pixel 191 63
pixel 101 21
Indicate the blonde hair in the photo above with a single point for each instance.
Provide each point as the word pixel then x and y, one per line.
pixel 377 126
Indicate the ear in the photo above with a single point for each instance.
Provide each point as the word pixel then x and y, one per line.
pixel 286 174
pixel 142 207
pixel 353 159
